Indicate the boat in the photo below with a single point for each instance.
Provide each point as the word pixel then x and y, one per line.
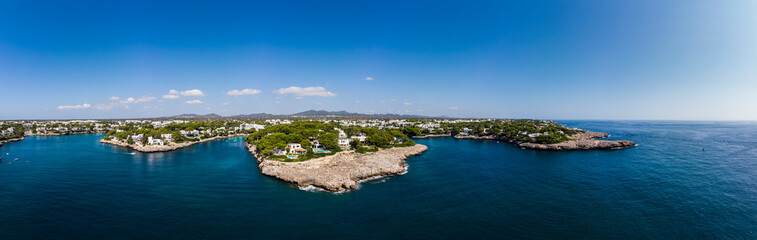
pixel 15 159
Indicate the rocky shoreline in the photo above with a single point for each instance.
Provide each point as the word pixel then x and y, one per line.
pixel 341 171
pixel 580 141
pixel 163 148
pixel 10 140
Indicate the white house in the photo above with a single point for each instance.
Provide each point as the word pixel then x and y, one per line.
pixel 295 148
pixel 317 145
pixel 248 126
pixel 168 137
pixel 192 133
pixel 137 137
pixel 344 142
pixel 154 141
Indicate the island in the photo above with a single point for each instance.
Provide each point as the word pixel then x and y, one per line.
pixel 330 156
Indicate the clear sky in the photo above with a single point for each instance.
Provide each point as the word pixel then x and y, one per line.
pixel 641 59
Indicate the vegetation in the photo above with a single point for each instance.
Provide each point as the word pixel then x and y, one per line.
pixel 274 139
pixel 544 132
pixel 206 129
pixel 18 131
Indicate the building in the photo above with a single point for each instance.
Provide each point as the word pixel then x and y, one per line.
pixel 154 141
pixel 344 142
pixel 248 126
pixel 167 137
pixel 137 137
pixel 317 145
pixel 295 148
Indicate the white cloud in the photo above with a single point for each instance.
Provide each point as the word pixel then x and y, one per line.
pixel 172 94
pixel 69 107
pixel 245 91
pixel 368 78
pixel 113 98
pixel 407 103
pixel 383 101
pixel 454 108
pixel 139 100
pixel 226 103
pixel 192 93
pixel 392 100
pixel 300 92
pixel 194 102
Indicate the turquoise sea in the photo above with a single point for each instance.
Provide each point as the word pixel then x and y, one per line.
pixel 685 180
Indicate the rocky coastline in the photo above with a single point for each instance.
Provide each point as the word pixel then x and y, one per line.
pixel 10 140
pixel 163 148
pixel 341 171
pixel 580 141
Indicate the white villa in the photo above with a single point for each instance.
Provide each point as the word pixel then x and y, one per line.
pixel 295 148
pixel 344 142
pixel 154 141
pixel 167 137
pixel 137 137
pixel 248 126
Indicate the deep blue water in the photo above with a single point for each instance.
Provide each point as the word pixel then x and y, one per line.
pixel 667 187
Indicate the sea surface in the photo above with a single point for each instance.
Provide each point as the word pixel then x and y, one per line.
pixel 685 180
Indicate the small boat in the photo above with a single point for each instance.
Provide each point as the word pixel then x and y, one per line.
pixel 15 159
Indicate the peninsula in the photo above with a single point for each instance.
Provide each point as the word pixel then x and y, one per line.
pixel 330 156
pixel 162 136
pixel 524 133
pixel 11 133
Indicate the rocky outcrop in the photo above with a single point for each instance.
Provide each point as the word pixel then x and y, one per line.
pixel 341 171
pixel 10 140
pixel 582 141
pixel 162 148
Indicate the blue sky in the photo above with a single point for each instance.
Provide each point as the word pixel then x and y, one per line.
pixel 681 60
